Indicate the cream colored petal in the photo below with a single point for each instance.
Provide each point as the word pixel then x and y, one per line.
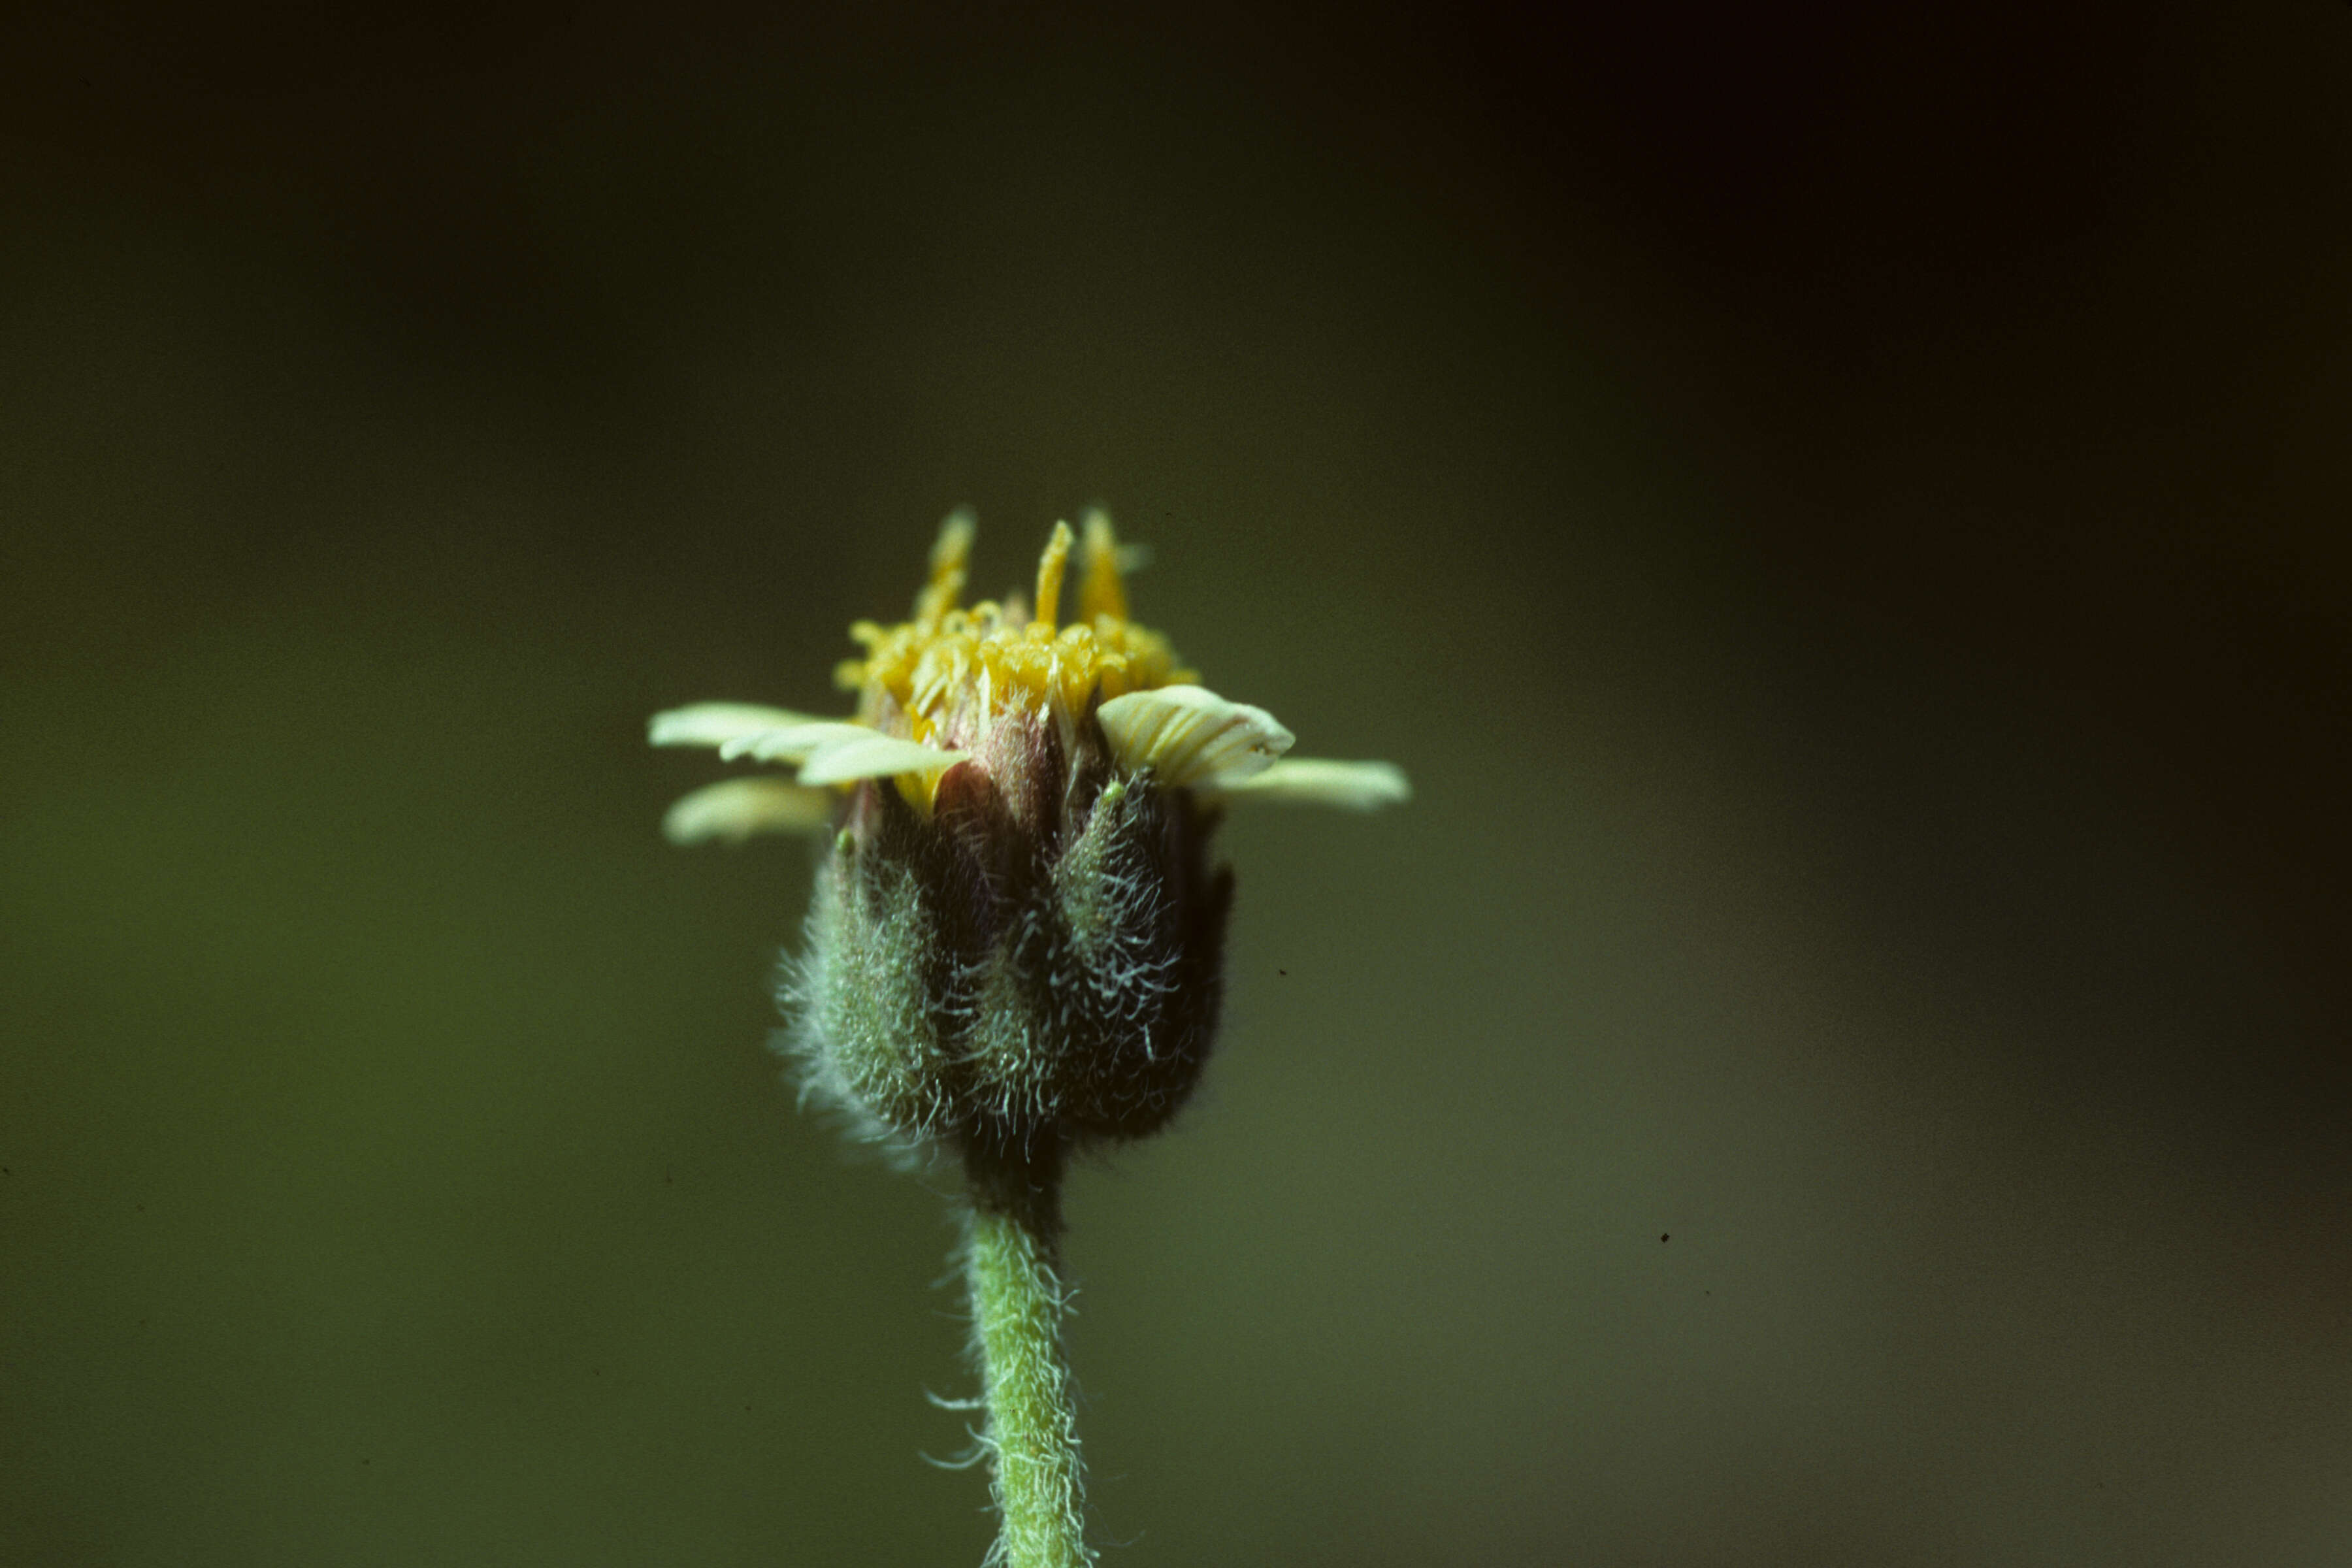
pixel 733 809
pixel 1317 780
pixel 718 723
pixel 864 754
pixel 1186 734
pixel 794 743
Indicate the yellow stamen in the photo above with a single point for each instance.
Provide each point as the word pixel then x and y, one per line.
pixel 948 557
pixel 1050 567
pixel 916 676
pixel 1102 593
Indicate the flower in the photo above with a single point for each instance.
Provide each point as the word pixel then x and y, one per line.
pixel 933 688
pixel 1019 934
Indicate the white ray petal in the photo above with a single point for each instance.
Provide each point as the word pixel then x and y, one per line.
pixel 718 723
pixel 864 754
pixel 1319 781
pixel 734 809
pixel 1186 734
pixel 793 743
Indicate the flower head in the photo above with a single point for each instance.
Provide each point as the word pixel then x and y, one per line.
pixel 1019 934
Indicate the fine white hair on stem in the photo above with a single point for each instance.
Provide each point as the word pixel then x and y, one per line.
pixel 942 1401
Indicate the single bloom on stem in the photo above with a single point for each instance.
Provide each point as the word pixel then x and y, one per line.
pixel 1016 944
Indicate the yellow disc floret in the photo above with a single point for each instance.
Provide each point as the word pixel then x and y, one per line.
pixel 950 661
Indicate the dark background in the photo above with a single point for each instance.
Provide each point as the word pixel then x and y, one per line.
pixel 1843 519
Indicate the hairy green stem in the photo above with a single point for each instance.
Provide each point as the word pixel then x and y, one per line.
pixel 1017 1305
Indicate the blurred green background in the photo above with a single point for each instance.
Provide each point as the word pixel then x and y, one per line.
pixel 1844 521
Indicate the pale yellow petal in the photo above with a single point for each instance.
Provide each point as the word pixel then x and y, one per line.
pixel 863 754
pixel 1319 781
pixel 1188 734
pixel 793 743
pixel 733 809
pixel 718 723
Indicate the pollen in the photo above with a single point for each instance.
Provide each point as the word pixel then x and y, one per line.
pixel 951 663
